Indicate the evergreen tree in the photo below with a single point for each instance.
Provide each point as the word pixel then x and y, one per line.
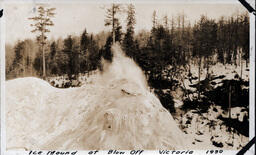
pixel 154 21
pixel 22 63
pixel 53 68
pixel 106 50
pixel 53 50
pixel 84 44
pixel 113 21
pixel 128 42
pixel 71 47
pixel 19 61
pixel 43 20
pixel 93 56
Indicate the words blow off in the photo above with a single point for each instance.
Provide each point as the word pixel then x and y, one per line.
pixel 119 152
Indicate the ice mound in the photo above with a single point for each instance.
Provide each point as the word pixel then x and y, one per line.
pixel 114 111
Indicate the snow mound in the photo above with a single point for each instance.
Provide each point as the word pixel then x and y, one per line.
pixel 115 110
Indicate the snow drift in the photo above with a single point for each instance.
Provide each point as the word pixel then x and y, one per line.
pixel 115 110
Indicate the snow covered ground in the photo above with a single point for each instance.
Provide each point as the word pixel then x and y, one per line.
pixel 206 128
pixel 228 71
pixel 208 131
pixel 113 110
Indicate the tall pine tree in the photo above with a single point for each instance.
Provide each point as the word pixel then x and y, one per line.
pixel 128 42
pixel 42 21
pixel 113 21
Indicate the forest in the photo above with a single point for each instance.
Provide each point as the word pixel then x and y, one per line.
pixel 171 42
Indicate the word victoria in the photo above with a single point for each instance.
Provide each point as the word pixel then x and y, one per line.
pixel 175 152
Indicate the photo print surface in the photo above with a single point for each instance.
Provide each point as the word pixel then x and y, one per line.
pixel 99 76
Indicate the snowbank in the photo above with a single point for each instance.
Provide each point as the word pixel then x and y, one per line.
pixel 115 110
pixel 227 71
pixel 209 132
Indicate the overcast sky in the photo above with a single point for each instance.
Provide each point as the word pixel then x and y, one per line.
pixel 73 18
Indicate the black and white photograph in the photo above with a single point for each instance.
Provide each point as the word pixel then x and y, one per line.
pixel 126 75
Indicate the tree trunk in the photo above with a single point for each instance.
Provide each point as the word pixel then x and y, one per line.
pixel 229 101
pixel 224 58
pixel 24 65
pixel 31 66
pixel 44 73
pixel 199 73
pixel 241 64
pixel 237 57
pixel 207 68
pixel 113 23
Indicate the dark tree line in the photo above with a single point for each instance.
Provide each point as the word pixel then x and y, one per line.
pixel 69 56
pixel 168 49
